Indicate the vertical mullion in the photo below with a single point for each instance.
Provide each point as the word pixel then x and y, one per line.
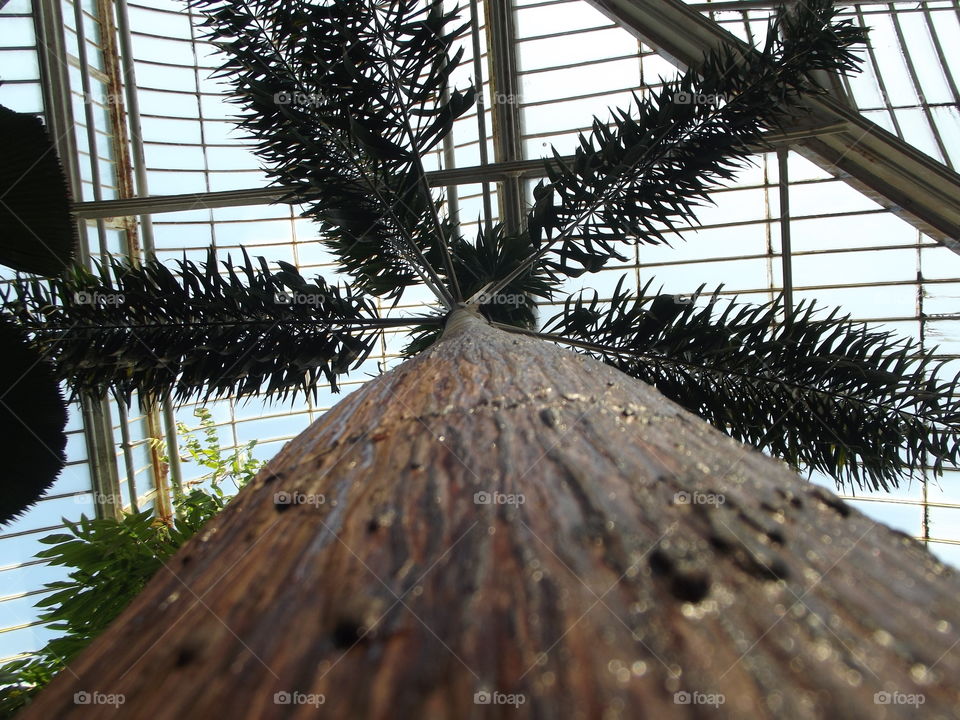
pixel 450 161
pixel 58 108
pixel 128 461
pixel 507 121
pixel 925 518
pixel 911 68
pixel 941 56
pixel 163 509
pixel 481 111
pixel 883 86
pixel 134 128
pixel 768 224
pixel 785 239
pixel 91 128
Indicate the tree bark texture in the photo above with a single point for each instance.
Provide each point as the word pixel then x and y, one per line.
pixel 503 528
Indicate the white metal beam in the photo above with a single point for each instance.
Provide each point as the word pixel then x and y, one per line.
pixel 492 172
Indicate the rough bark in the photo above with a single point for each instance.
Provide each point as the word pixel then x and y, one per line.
pixel 602 595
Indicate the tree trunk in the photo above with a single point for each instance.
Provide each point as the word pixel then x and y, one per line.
pixel 500 527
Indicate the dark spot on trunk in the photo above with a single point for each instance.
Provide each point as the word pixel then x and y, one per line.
pixel 779 569
pixel 550 417
pixel 660 562
pixel 690 586
pixel 347 633
pixel 765 566
pixel 282 502
pixel 794 500
pixel 186 655
pixel 723 542
pixel 776 537
pixel 382 518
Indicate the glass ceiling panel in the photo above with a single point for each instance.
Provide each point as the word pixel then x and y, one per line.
pixel 846 250
pixel 21 576
pixel 573 63
pixel 910 78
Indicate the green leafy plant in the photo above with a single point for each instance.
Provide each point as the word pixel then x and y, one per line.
pixel 202 447
pixel 111 560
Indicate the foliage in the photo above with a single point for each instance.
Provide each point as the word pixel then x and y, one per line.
pixel 861 404
pixel 635 182
pixel 478 265
pixel 343 98
pixel 110 562
pixel 37 235
pixel 202 333
pixel 37 231
pixel 202 447
pixel 33 419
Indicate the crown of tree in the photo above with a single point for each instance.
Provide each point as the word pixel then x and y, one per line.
pixel 342 101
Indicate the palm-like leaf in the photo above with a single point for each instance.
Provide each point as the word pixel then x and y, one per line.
pixel 343 99
pixel 478 264
pixel 33 416
pixel 37 232
pixel 818 391
pixel 635 181
pixel 203 333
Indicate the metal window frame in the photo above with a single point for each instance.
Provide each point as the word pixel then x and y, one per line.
pixel 54 62
pixel 894 174
pixel 509 166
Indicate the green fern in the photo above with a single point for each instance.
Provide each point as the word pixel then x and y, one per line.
pixel 110 561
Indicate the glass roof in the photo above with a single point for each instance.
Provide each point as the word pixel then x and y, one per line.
pixel 572 63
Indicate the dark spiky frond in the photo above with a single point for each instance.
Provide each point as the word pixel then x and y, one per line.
pixel 33 416
pixel 344 97
pixel 861 405
pixel 342 100
pixel 636 181
pixel 491 255
pixel 37 232
pixel 204 332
